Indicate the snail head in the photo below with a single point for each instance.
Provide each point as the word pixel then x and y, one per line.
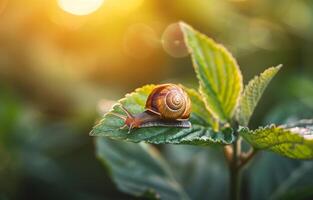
pixel 130 120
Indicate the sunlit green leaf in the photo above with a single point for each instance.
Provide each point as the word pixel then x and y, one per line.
pixel 200 133
pixel 218 73
pixel 198 107
pixel 293 141
pixel 252 94
pixel 138 169
pixel 280 177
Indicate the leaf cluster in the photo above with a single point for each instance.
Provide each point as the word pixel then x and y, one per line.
pixel 221 110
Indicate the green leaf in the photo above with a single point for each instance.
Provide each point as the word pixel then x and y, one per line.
pixel 278 177
pixel 202 171
pixel 252 94
pixel 200 133
pixel 293 141
pixel 218 73
pixel 198 107
pixel 138 169
pixel 299 194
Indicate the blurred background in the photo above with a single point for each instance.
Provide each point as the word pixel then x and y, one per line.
pixel 63 63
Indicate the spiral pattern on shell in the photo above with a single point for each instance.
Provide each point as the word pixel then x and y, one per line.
pixel 169 101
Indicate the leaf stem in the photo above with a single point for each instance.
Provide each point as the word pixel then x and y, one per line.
pixel 246 157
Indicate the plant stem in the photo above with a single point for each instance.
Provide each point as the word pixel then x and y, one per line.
pixel 235 185
pixel 235 172
pixel 237 160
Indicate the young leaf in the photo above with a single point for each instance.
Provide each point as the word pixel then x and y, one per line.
pixel 252 94
pixel 218 73
pixel 294 140
pixel 200 133
pixel 138 169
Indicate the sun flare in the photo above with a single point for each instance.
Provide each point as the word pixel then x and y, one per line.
pixel 80 7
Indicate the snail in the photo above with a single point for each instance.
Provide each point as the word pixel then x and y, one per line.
pixel 167 105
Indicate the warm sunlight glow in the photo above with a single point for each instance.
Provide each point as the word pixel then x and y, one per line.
pixel 124 6
pixel 80 7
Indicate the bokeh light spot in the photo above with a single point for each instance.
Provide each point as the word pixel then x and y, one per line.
pixel 173 41
pixel 80 7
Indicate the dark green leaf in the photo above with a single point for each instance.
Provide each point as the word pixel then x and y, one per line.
pixel 275 177
pixel 200 133
pixel 301 193
pixel 218 73
pixel 201 171
pixel 138 169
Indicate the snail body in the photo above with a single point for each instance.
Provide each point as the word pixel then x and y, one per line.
pixel 167 105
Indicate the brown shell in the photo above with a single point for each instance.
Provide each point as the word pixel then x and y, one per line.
pixel 170 102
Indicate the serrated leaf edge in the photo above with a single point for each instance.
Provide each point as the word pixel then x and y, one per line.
pixel 245 131
pixel 244 120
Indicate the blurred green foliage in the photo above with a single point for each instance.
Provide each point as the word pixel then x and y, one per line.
pixel 52 76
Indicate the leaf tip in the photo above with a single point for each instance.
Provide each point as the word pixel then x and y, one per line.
pixel 279 66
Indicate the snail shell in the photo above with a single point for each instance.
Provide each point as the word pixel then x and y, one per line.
pixel 170 102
